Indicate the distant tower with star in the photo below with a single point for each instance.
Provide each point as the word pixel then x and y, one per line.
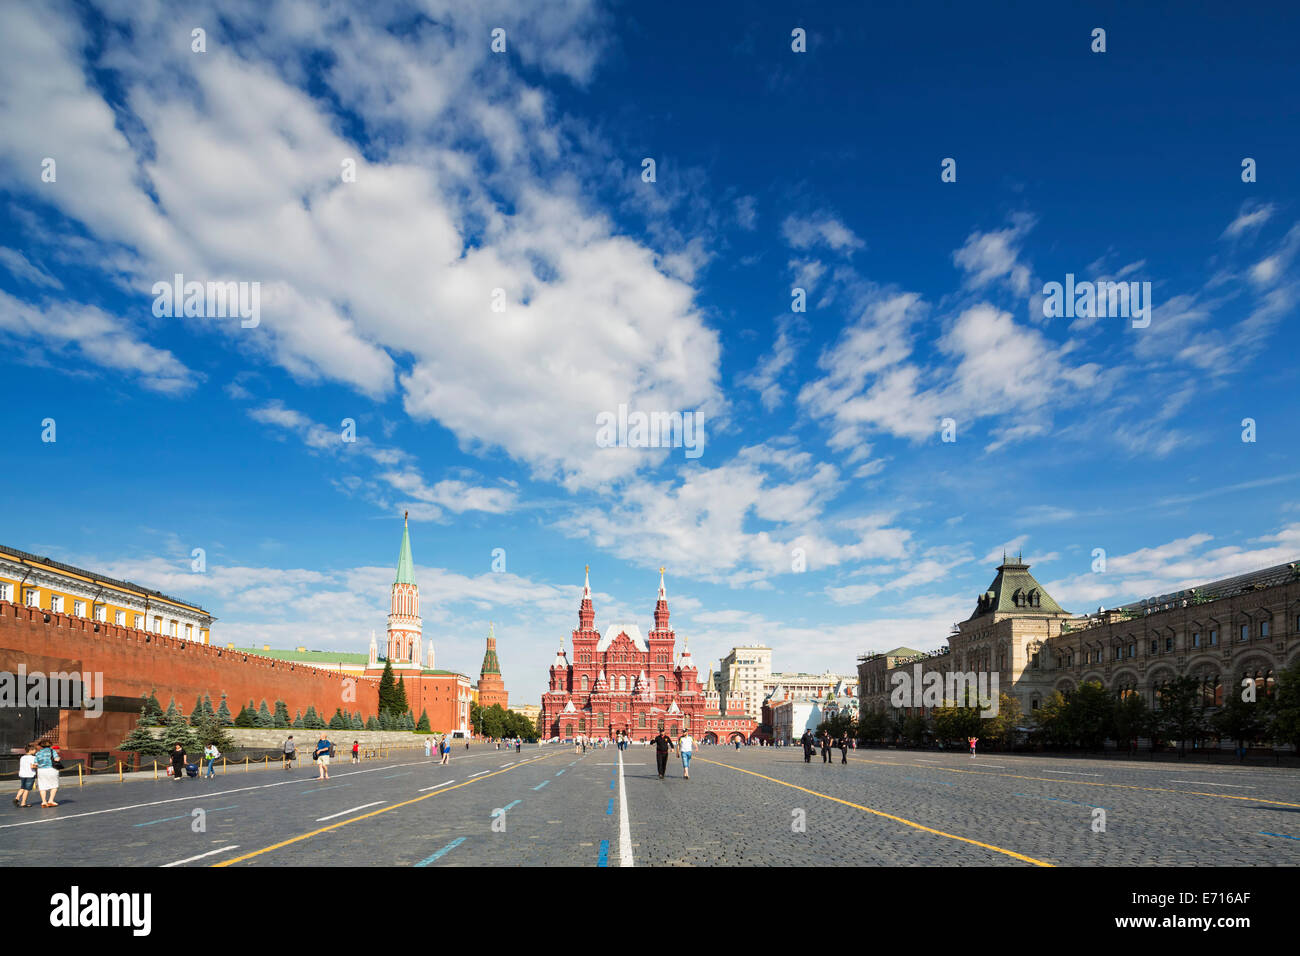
pixel 491 688
pixel 405 629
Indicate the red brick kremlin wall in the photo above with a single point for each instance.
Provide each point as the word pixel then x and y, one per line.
pixel 134 662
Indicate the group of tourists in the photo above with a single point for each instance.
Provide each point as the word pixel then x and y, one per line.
pixel 38 768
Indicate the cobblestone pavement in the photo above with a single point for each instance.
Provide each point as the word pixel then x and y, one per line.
pixel 755 806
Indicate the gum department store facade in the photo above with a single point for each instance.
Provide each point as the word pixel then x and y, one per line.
pixel 1244 626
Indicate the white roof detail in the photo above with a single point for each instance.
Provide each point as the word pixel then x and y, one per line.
pixel 612 631
pixel 569 708
pixel 674 709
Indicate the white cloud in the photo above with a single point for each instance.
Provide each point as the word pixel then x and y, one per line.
pixel 820 229
pixel 987 257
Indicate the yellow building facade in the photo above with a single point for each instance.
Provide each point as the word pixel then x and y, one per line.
pixel 64 589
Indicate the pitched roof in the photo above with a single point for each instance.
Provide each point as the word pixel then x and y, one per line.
pixel 405 566
pixel 1014 591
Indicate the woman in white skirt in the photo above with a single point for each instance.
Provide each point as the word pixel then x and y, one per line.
pixel 47 777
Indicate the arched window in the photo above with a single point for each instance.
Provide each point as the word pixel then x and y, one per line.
pixel 1034 600
pixel 622 682
pixel 584 681
pixel 661 683
pixel 1018 599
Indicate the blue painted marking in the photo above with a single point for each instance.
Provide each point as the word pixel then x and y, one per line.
pixel 447 849
pixel 610 809
pixel 183 816
pixel 508 806
pixel 603 859
pixel 542 784
pixel 1034 796
pixel 611 784
pixel 1282 835
pixel 558 772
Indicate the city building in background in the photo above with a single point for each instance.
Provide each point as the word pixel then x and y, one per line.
pixel 743 673
pixel 59 588
pixel 1217 633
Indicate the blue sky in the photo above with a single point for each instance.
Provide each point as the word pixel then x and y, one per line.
pixel 522 171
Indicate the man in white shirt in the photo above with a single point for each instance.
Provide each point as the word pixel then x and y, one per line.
pixel 686 747
pixel 26 776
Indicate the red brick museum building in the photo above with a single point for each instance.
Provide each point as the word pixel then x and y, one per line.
pixel 622 682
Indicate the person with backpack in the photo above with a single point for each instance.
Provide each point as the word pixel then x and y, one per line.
pixel 446 751
pixel 210 755
pixel 324 750
pixel 290 751
pixel 47 774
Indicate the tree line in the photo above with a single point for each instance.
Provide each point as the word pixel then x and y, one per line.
pixel 1089 716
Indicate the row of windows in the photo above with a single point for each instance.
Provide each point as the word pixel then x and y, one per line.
pixel 58 605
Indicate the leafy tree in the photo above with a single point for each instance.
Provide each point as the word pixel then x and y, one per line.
pixel 837 725
pixel 1240 720
pixel 297 721
pixel 1002 727
pixel 264 718
pixel 1284 707
pixel 338 721
pixel 387 689
pixel 246 718
pixel 1131 718
pixel 873 725
pixel 197 713
pixel 914 730
pixel 952 724
pixel 356 723
pixel 423 725
pixel 172 711
pixel 1088 713
pixel 1050 722
pixel 476 719
pixel 207 707
pixel 281 716
pixel 312 720
pixel 372 723
pixel 1182 711
pixel 223 713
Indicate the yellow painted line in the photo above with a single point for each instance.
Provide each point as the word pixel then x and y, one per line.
pixel 889 816
pixel 1084 783
pixel 374 813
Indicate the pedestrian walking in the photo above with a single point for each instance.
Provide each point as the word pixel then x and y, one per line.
pixel 26 775
pixel 47 773
pixel 324 750
pixel 972 741
pixel 446 751
pixel 686 748
pixel 807 741
pixel 826 747
pixel 356 751
pixel 519 744
pixel 210 755
pixel 178 761
pixel 663 743
pixel 844 748
pixel 290 751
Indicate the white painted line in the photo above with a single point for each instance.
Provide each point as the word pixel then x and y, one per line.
pixel 436 786
pixel 624 830
pixel 504 765
pixel 1073 773
pixel 1215 783
pixel 341 812
pixel 191 859
pixel 479 774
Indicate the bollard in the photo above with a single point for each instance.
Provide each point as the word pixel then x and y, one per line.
pixel 119 771
pixel 245 765
pixel 155 769
pixel 80 782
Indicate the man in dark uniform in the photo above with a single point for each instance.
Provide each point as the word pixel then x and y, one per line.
pixel 663 743
pixel 843 744
pixel 826 747
pixel 807 741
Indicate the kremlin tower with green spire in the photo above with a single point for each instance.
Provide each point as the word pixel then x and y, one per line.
pixel 491 688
